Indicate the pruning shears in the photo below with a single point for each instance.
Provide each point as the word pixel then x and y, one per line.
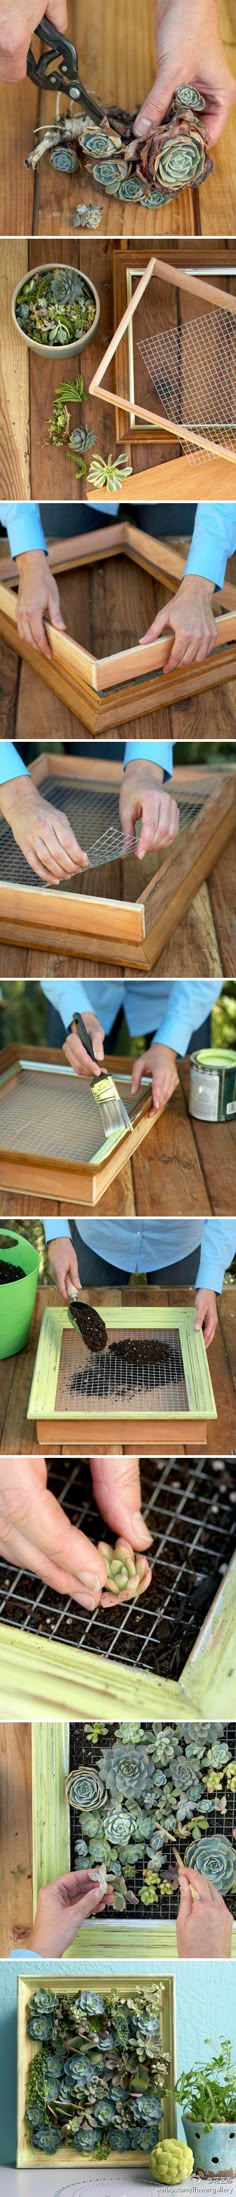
pixel 57 68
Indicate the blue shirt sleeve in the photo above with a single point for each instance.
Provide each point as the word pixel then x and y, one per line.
pixel 187 1007
pixel 218 1248
pixel 214 539
pixel 11 765
pixel 155 751
pixel 24 527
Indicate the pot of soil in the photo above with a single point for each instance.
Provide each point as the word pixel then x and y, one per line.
pixel 19 1269
pixel 56 310
pixel 214 2149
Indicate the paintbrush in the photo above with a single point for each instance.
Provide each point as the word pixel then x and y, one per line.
pixel 114 1117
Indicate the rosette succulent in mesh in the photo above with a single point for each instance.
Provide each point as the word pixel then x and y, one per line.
pixel 124 1570
pixel 215 1859
pixel 84 1788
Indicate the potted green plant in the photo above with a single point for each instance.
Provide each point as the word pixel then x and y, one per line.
pixel 19 1269
pixel 207 2093
pixel 56 309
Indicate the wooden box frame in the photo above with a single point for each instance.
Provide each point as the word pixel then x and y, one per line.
pixel 51 1857
pixel 86 1182
pixel 51 1425
pixel 115 689
pixel 132 933
pixel 194 287
pixel 58 1681
pixel 26 2048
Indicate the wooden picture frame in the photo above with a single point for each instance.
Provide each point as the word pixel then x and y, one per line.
pixel 64 1681
pixel 126 932
pixel 115 689
pixel 39 1172
pixel 51 1856
pixel 67 1986
pixel 128 262
pixel 49 1412
pixel 195 287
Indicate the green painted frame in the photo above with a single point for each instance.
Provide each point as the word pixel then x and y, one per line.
pixel 25 2052
pixel 55 1321
pixel 57 1681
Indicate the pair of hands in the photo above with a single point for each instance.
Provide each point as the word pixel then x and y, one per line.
pixel 36 1534
pixel 189 49
pixel 65 1272
pixel 45 836
pixel 203 1929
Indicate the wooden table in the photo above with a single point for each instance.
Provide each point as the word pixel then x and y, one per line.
pixel 32 466
pixel 117 62
pixel 18 1434
pixel 182 1166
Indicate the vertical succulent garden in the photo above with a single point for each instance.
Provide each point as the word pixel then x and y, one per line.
pixel 148 1791
pixel 97 2080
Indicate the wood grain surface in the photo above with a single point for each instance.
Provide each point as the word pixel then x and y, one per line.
pixel 15 1837
pixel 117 61
pixel 32 466
pixel 18 1434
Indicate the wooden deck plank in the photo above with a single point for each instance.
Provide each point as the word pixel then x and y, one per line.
pixel 195 950
pixel 169 1179
pixel 16 1836
pixel 18 119
pixel 222 892
pixel 14 379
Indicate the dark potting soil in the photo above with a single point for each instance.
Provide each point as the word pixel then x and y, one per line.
pixel 90 1325
pixel 11 1273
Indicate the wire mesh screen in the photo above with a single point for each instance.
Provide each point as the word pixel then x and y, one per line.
pixel 49 1112
pixel 190 1507
pixel 111 1380
pixel 164 1904
pixel 94 817
pixel 192 368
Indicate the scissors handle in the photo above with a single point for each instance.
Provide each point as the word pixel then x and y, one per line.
pixel 64 77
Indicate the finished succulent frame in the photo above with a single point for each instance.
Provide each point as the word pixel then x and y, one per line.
pixel 130 1798
pixel 71 2035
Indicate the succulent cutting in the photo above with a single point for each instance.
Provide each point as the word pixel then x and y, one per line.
pixel 98 2078
pixel 151 172
pixel 147 1794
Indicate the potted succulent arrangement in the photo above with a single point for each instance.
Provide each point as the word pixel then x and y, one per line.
pixel 19 1269
pixel 207 2093
pixel 56 310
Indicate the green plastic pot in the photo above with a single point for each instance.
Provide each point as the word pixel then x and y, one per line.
pixel 18 1298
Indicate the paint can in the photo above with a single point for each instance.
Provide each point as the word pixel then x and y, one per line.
pixel 212 1094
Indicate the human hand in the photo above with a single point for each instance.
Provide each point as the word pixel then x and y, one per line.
pixel 117 1490
pixel 190 51
pixel 143 794
pixel 159 1062
pixel 206 1315
pixel 43 833
pixel 62 1908
pixel 63 1266
pixel 75 1052
pixel 36 1535
pixel 17 25
pixel 204 1925
pixel 190 616
pixel 37 599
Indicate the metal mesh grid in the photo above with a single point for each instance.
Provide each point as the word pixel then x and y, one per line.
pixel 90 813
pixel 164 1907
pixel 49 1112
pixel 193 371
pixel 113 1381
pixel 190 1507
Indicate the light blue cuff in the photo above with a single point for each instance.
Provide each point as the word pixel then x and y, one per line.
pixel 151 751
pixel 24 527
pixel 55 1228
pixel 214 540
pixel 11 765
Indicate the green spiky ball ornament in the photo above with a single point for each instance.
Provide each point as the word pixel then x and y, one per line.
pixel 171 2162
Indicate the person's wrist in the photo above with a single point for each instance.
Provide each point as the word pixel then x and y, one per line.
pixel 26 557
pixel 9 796
pixel 143 773
pixel 198 582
